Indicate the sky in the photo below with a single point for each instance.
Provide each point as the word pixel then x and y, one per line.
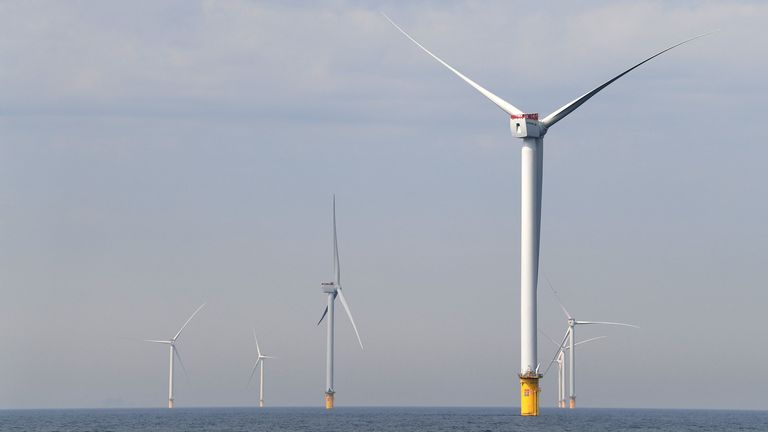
pixel 158 155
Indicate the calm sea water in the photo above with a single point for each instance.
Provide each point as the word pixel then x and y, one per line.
pixel 379 419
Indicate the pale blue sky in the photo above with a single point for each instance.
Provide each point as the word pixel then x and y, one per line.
pixel 158 155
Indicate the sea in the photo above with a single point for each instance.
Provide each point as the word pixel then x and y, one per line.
pixel 379 419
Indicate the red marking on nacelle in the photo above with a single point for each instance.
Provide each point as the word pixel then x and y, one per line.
pixel 532 116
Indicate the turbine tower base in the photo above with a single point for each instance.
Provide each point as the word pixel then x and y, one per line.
pixel 170 403
pixel 529 394
pixel 329 400
pixel 261 403
pixel 573 402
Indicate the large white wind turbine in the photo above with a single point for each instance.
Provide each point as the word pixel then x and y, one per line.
pixel 532 130
pixel 333 289
pixel 259 363
pixel 570 335
pixel 174 352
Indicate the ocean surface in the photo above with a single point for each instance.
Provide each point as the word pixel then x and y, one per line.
pixel 379 419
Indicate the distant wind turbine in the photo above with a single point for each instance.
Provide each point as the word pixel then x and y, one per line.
pixel 570 335
pixel 174 352
pixel 259 363
pixel 333 289
pixel 561 378
pixel 560 360
pixel 532 130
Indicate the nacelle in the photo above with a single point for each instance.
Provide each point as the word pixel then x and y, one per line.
pixel 328 287
pixel 526 125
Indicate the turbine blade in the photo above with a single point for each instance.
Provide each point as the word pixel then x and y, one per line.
pixel 158 341
pixel 336 263
pixel 565 311
pixel 590 340
pixel 349 314
pixel 253 371
pixel 571 106
pixel 559 350
pixel 607 323
pixel 501 103
pixel 270 357
pixel 258 351
pixel 178 357
pixel 547 336
pixel 325 312
pixel 557 297
pixel 190 319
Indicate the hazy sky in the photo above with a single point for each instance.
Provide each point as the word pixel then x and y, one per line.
pixel 158 155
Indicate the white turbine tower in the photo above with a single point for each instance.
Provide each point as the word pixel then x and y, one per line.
pixel 259 363
pixel 333 289
pixel 570 335
pixel 532 130
pixel 174 352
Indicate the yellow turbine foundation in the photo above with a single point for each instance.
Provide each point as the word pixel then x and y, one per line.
pixel 573 403
pixel 170 403
pixel 529 395
pixel 329 400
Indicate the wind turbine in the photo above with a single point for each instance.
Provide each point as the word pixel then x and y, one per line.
pixel 259 362
pixel 333 289
pixel 532 130
pixel 570 334
pixel 174 352
pixel 561 378
pixel 560 360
